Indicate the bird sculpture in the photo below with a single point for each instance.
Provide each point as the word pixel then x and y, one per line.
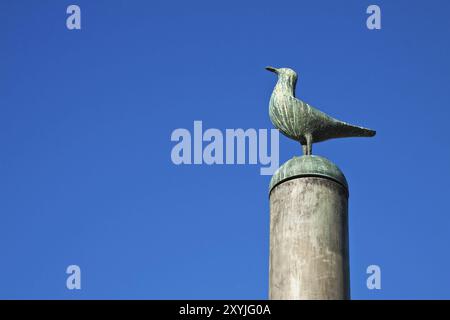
pixel 302 122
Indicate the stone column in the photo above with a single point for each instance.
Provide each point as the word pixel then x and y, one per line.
pixel 309 256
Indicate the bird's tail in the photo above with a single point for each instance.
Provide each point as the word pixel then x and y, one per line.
pixel 349 130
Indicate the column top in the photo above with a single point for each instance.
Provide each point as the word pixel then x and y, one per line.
pixel 308 166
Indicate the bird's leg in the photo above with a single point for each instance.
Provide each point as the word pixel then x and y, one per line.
pixel 304 149
pixel 308 144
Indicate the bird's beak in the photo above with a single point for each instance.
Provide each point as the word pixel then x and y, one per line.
pixel 272 69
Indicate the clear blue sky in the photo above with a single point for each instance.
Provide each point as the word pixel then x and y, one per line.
pixel 86 116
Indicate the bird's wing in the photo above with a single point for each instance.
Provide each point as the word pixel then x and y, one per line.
pixel 313 113
pixel 327 127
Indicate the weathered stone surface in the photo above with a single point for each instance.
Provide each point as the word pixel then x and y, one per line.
pixel 309 256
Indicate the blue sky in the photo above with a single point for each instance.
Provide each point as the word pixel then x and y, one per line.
pixel 85 124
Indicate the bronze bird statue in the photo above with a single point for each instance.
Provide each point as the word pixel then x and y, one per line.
pixel 302 122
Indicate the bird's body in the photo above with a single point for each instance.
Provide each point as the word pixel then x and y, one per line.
pixel 302 122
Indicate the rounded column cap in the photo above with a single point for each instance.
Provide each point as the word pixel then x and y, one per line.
pixel 308 166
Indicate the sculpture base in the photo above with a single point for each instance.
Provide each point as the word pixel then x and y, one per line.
pixel 309 231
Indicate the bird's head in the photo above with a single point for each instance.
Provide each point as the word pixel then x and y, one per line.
pixel 283 72
pixel 287 79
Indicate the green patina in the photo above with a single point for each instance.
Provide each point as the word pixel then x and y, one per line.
pixel 302 122
pixel 307 125
pixel 308 166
